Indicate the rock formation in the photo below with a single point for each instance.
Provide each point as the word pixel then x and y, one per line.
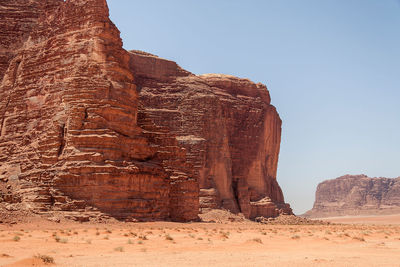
pixel 18 18
pixel 229 128
pixel 69 136
pixel 76 138
pixel 356 195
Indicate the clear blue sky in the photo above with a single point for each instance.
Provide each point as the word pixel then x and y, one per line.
pixel 332 68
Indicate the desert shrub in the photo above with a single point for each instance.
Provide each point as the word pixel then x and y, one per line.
pixel 225 234
pixel 45 258
pixel 143 237
pixel 133 234
pixel 119 249
pixel 359 238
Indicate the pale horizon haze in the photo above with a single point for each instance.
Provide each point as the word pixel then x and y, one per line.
pixel 332 69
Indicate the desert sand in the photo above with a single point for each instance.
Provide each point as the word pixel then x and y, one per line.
pixel 370 219
pixel 200 244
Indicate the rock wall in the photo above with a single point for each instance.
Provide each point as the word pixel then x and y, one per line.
pixel 356 195
pixel 89 128
pixel 18 18
pixel 69 135
pixel 229 128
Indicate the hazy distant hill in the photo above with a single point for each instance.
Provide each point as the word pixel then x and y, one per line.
pixel 356 195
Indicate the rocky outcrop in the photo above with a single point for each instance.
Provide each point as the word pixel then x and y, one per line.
pixel 229 128
pixel 356 195
pixel 69 135
pixel 89 128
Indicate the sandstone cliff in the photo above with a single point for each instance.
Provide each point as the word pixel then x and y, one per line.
pixel 89 128
pixel 18 18
pixel 229 128
pixel 356 195
pixel 69 137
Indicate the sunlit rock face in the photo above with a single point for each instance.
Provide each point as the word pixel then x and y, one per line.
pixel 18 19
pixel 89 129
pixel 356 195
pixel 69 133
pixel 229 128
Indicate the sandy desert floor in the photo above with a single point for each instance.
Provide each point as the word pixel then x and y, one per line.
pixel 372 219
pixel 200 244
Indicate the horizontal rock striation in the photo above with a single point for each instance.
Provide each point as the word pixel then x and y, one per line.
pixel 88 129
pixel 356 195
pixel 18 19
pixel 69 133
pixel 228 127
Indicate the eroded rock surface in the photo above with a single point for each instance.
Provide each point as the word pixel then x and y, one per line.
pixel 69 134
pixel 229 128
pixel 87 128
pixel 356 195
pixel 18 18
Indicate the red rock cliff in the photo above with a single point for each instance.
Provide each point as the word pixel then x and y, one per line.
pixel 89 128
pixel 17 19
pixel 231 132
pixel 69 134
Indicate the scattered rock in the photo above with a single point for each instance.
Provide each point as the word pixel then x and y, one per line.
pixel 54 219
pixel 221 216
pixel 290 220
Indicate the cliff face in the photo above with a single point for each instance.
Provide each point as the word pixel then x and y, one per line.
pixel 89 128
pixel 69 134
pixel 18 18
pixel 228 127
pixel 356 195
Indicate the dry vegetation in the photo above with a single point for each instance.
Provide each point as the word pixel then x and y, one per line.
pixel 199 244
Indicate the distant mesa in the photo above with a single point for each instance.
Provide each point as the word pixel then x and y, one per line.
pixel 356 195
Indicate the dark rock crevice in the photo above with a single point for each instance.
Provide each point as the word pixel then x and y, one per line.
pixel 62 136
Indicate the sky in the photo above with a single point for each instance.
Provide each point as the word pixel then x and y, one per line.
pixel 332 68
